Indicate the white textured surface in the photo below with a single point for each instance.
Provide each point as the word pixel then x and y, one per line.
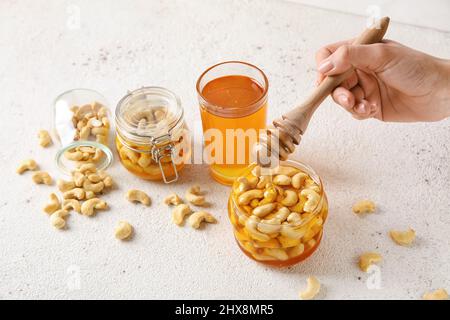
pixel 431 14
pixel 405 168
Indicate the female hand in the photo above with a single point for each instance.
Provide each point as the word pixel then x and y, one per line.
pixel 391 82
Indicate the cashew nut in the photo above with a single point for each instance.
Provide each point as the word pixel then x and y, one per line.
pixel 295 251
pixel 173 199
pixel 264 210
pixel 243 186
pixel 144 160
pixel 247 196
pixel 291 232
pixel 312 289
pixel 42 177
pixel 367 259
pixel 129 154
pixel 286 171
pixel 94 187
pixel 89 206
pixel 87 168
pixel 76 193
pixel 290 198
pixel 64 186
pixel 78 178
pixel 108 181
pixel 270 195
pixel 123 230
pixel 364 206
pixel 312 201
pixel 53 204
pixel 71 204
pixel 44 138
pixel 138 196
pixel 278 254
pixel 193 196
pixel 179 212
pixel 439 294
pixel 198 217
pixel 269 226
pixel 403 238
pixel 94 177
pixel 282 214
pixel 263 181
pixel 57 219
pixel 26 165
pixel 282 180
pixel 298 179
pixel 294 219
pixel 89 195
pixel 251 226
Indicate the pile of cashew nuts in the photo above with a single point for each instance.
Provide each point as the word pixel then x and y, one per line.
pixel 278 216
pixel 91 121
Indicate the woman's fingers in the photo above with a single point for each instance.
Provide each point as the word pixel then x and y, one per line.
pixel 324 52
pixel 343 97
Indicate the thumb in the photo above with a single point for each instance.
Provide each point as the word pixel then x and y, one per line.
pixel 372 57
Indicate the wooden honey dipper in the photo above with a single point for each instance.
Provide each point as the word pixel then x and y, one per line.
pixel 292 125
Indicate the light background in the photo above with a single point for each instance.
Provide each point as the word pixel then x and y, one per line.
pixel 123 45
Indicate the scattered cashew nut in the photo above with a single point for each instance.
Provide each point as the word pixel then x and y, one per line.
pixel 53 205
pixel 71 204
pixel 42 177
pixel 403 238
pixel 173 199
pixel 364 206
pixel 76 193
pixel 26 165
pixel 179 212
pixel 44 138
pixel 193 196
pixel 312 289
pixel 198 217
pixel 57 219
pixel 64 186
pixel 367 259
pixel 439 294
pixel 123 230
pixel 89 206
pixel 135 195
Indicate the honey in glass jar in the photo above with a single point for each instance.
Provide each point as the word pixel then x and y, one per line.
pixel 278 218
pixel 233 106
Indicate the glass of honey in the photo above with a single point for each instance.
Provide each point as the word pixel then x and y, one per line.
pixel 233 108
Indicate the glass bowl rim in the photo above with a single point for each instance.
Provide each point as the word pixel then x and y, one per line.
pixel 84 143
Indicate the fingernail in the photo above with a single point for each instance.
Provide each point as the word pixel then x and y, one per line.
pixel 361 108
pixel 343 100
pixel 326 66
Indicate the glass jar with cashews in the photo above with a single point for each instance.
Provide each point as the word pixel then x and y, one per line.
pixel 278 216
pixel 152 138
pixel 82 127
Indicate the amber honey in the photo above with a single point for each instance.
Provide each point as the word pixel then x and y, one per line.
pixel 235 106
